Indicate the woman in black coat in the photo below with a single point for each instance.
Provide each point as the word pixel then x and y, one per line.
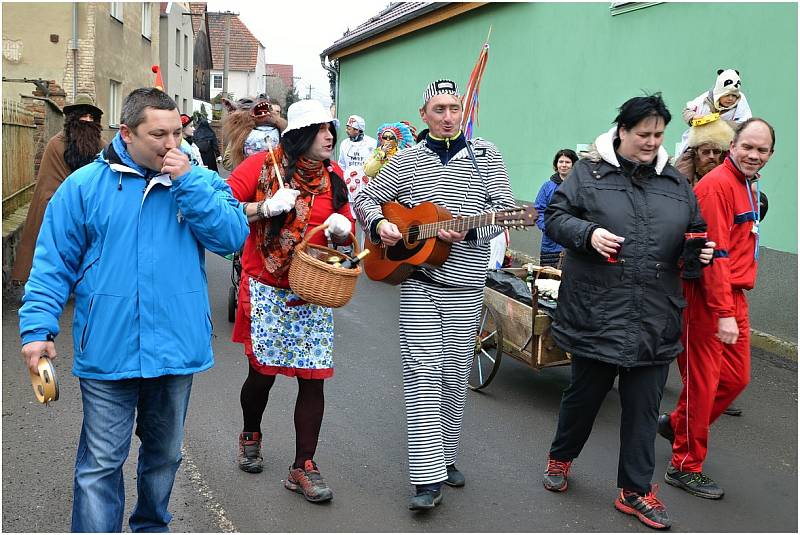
pixel 206 141
pixel 621 217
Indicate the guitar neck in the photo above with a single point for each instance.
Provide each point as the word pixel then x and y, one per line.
pixel 459 224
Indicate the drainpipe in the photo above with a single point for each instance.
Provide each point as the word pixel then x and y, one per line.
pixel 74 50
pixel 329 68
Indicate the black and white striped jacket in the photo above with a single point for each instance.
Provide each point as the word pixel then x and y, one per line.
pixel 416 175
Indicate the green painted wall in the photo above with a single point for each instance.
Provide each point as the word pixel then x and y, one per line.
pixel 558 71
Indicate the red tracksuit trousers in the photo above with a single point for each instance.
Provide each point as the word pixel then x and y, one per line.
pixel 713 374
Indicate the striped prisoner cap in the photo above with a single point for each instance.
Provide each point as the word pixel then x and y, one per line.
pixel 440 87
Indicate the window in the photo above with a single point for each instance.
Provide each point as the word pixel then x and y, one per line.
pixel 177 47
pixel 116 10
pixel 216 81
pixel 114 94
pixel 185 52
pixel 185 106
pixel 146 19
pixel 177 100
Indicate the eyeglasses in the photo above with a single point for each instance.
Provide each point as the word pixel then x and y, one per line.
pixel 709 152
pixel 387 137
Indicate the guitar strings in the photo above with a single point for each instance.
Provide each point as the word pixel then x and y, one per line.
pixel 425 228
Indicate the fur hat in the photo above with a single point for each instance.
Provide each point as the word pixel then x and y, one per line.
pixel 719 133
pixel 728 83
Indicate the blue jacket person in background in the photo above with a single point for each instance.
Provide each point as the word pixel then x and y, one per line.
pixel 550 252
pixel 127 235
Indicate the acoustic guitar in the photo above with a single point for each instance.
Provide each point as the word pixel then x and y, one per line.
pixel 420 246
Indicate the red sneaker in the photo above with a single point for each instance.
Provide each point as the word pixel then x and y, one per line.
pixel 648 509
pixel 308 482
pixel 555 476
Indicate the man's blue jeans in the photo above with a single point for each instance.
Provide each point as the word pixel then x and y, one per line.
pixel 159 405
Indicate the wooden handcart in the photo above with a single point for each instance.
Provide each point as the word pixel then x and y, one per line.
pixel 516 329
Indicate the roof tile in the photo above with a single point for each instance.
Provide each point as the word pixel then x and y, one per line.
pixel 243 50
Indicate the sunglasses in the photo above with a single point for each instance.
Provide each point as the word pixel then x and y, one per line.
pixel 387 137
pixel 708 152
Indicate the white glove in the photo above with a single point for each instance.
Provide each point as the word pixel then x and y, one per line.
pixel 282 201
pixel 338 225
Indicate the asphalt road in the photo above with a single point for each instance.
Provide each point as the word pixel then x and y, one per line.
pixel 507 433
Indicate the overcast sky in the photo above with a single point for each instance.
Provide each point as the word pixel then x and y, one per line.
pixel 296 31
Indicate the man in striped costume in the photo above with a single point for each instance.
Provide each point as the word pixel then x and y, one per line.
pixel 439 308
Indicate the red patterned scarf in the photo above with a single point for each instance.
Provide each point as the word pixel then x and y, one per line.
pixel 311 178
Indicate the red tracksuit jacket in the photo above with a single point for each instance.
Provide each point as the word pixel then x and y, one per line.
pixel 731 210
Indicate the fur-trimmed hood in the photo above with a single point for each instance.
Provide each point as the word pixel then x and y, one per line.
pixel 603 149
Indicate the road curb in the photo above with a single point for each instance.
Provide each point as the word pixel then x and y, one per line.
pixel 759 339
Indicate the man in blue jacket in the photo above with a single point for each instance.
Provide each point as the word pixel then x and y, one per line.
pixel 127 235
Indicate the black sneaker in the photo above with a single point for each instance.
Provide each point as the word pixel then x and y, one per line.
pixel 733 410
pixel 426 499
pixel 695 483
pixel 555 475
pixel 454 477
pixel 665 428
pixel 648 509
pixel 250 459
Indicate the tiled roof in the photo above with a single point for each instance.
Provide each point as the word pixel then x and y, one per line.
pixel 394 14
pixel 243 54
pixel 197 8
pixel 284 72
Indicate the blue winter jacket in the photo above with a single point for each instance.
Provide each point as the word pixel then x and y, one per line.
pixel 542 200
pixel 134 256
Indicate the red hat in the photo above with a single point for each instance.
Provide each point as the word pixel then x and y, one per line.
pixel 185 119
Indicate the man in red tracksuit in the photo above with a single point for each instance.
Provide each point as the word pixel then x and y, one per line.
pixel 715 364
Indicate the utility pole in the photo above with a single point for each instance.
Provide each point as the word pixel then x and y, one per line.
pixel 225 63
pixel 309 91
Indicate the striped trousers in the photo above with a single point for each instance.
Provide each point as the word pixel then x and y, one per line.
pixel 437 342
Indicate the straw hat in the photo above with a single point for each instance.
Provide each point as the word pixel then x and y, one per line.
pixel 305 113
pixel 83 100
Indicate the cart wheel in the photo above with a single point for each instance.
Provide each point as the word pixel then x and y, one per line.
pixel 232 304
pixel 488 350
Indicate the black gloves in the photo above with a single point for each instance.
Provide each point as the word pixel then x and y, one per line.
pixel 691 267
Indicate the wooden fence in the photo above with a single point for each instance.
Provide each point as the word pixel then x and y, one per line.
pixel 19 151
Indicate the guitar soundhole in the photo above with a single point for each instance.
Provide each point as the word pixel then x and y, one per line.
pixel 413 234
pixel 407 247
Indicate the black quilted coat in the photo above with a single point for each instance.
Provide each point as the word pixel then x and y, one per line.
pixel 627 313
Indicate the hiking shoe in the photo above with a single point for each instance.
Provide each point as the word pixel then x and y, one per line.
pixel 733 410
pixel 665 428
pixel 648 509
pixel 250 459
pixel 454 477
pixel 555 476
pixel 426 499
pixel 308 482
pixel 696 483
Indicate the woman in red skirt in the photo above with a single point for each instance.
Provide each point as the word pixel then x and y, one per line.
pixel 281 333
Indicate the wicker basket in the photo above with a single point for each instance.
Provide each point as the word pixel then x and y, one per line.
pixel 315 280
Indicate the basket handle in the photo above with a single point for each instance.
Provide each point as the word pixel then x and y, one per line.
pixel 302 245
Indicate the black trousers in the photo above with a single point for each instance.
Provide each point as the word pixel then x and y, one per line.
pixel 640 392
